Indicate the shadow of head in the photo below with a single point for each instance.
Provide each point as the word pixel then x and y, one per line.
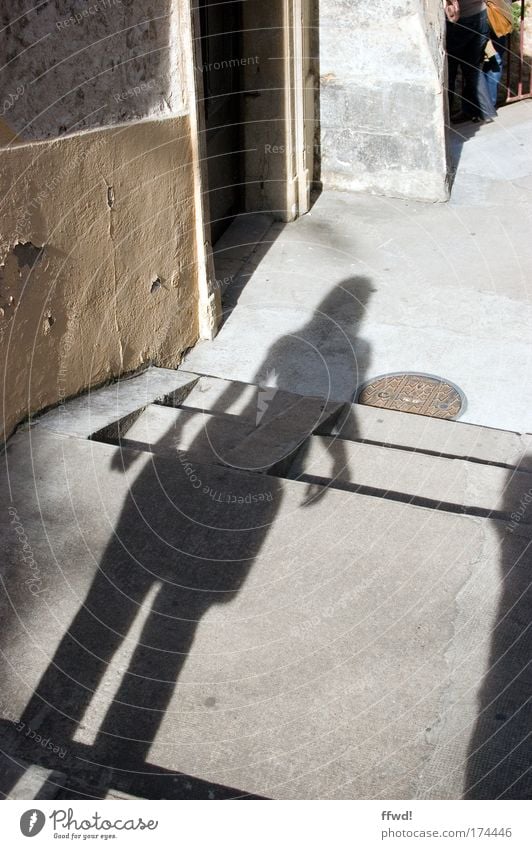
pixel 347 302
pixel 326 356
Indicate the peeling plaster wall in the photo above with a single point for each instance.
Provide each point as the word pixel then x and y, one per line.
pixel 98 260
pixel 383 98
pixel 99 277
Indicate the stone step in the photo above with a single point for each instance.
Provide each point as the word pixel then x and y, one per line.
pixel 252 403
pixel 453 439
pixel 439 482
pixel 259 436
pixel 29 781
pixel 101 410
pixel 434 436
pixel 290 640
pixel 169 432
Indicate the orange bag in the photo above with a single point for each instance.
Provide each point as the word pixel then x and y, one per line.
pixel 500 17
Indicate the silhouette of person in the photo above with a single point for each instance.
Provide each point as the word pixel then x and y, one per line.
pixel 500 755
pixel 188 549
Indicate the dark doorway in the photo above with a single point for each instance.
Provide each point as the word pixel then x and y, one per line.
pixel 221 57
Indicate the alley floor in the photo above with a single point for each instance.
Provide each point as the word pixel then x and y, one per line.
pixel 228 581
pixel 364 286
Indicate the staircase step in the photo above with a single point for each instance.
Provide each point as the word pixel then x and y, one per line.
pixel 435 436
pixel 100 410
pixel 233 440
pixel 273 445
pixel 404 475
pixel 167 432
pixel 252 403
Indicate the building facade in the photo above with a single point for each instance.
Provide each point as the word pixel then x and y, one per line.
pixel 133 131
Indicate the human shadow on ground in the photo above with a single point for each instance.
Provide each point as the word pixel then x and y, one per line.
pixel 500 752
pixel 181 549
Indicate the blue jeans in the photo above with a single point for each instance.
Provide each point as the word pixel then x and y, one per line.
pixel 493 76
pixel 493 69
pixel 466 43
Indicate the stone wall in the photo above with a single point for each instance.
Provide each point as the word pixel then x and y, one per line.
pixel 98 266
pixel 383 107
pixel 88 63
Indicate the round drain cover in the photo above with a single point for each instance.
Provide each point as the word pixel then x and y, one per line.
pixel 410 392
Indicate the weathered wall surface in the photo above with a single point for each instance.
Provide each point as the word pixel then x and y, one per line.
pixel 83 64
pixel 98 271
pixel 266 129
pixel 382 97
pixel 97 261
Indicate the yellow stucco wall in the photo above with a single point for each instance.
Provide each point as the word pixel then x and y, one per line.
pixel 97 260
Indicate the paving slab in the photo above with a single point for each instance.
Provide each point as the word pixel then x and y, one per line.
pixel 269 635
pixel 103 408
pixel 235 248
pixel 310 354
pixel 438 437
pixel 271 428
pixel 447 483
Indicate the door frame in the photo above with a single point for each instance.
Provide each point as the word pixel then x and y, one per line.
pixel 299 64
pixel 297 176
pixel 209 294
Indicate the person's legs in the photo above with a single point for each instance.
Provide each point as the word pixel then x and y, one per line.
pixel 456 41
pixel 492 71
pixel 477 102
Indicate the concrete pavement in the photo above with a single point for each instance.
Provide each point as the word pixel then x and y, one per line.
pixel 173 627
pixel 363 286
pixel 178 623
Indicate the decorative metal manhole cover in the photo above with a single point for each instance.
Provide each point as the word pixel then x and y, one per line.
pixel 409 392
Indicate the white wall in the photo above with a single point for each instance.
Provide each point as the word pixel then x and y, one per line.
pixel 382 97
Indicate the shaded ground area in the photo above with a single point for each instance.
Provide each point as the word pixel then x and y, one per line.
pixel 177 626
